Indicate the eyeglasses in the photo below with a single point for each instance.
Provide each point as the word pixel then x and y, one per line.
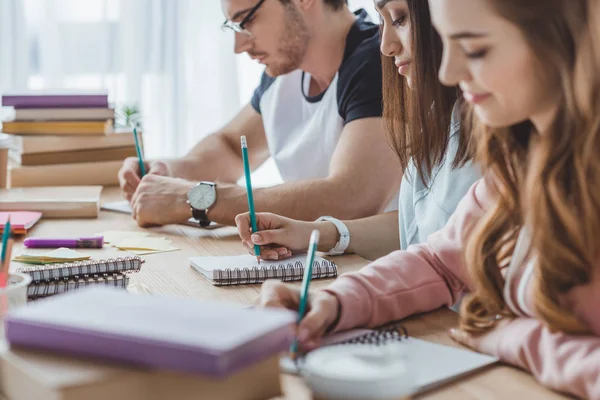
pixel 239 27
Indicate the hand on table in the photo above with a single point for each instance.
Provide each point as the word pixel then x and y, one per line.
pixel 161 200
pixel 487 343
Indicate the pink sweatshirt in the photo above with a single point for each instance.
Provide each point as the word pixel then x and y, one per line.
pixel 432 275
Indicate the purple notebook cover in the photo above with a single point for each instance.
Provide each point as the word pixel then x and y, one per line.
pixel 184 335
pixel 56 100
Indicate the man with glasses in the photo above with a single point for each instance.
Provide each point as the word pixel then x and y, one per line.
pixel 317 112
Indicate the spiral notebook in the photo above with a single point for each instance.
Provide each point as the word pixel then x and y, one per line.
pixel 59 278
pixel 435 364
pixel 50 288
pixel 242 270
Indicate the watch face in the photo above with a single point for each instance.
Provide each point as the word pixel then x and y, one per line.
pixel 202 196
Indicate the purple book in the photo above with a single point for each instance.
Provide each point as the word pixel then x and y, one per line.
pixel 179 334
pixel 56 99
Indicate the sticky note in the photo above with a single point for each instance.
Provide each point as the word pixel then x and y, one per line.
pixel 60 255
pixel 113 237
pixel 138 243
pixel 144 243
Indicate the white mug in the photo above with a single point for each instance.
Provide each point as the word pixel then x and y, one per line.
pixel 5 144
pixel 359 371
pixel 13 295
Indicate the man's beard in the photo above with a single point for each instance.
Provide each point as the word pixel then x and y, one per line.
pixel 293 44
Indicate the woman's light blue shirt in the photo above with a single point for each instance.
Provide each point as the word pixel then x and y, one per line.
pixel 423 210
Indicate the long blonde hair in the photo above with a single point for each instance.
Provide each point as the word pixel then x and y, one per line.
pixel 549 182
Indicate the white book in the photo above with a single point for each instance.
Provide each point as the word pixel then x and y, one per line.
pixel 245 269
pixel 54 202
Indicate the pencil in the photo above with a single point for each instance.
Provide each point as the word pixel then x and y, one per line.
pixel 6 253
pixel 5 237
pixel 249 193
pixel 138 150
pixel 6 263
pixel 310 258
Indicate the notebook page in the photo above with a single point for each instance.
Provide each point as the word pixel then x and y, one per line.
pixel 117 206
pixel 437 364
pixel 210 264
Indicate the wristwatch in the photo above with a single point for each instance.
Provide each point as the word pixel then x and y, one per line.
pixel 200 198
pixel 341 246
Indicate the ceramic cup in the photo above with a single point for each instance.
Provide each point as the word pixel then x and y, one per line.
pixel 359 371
pixel 5 144
pixel 13 295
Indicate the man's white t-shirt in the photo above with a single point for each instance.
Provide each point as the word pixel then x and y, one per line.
pixel 303 131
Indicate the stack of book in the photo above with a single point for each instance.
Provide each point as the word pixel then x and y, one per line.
pixel 65 138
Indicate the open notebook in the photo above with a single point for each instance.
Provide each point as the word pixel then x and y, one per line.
pixel 241 270
pixel 123 207
pixel 434 364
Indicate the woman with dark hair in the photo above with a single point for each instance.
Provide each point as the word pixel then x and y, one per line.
pixel 422 118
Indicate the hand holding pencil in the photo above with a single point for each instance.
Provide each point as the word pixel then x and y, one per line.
pixel 247 174
pixel 320 310
pixel 6 254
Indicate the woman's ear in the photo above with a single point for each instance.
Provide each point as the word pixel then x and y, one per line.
pixel 306 4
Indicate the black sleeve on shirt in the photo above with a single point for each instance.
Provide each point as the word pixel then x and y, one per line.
pixel 265 82
pixel 360 83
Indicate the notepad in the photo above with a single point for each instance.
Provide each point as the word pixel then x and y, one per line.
pixel 138 243
pixel 124 208
pixel 117 206
pixel 55 256
pixel 111 237
pixel 20 221
pixel 434 364
pixel 241 270
pixel 144 243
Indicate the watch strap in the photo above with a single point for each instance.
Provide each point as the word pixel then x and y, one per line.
pixel 201 217
pixel 341 246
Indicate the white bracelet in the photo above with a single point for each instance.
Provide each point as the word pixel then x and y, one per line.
pixel 341 246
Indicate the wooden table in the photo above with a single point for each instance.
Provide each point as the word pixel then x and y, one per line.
pixel 170 273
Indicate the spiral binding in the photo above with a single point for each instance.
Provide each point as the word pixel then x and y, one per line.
pixel 82 268
pixel 284 272
pixel 44 289
pixel 396 333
